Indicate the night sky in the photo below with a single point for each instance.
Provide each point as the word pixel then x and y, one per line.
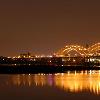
pixel 45 26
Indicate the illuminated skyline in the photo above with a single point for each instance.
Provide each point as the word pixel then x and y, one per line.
pixel 45 26
pixel 83 51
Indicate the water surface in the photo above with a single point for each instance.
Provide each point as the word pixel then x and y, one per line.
pixel 71 85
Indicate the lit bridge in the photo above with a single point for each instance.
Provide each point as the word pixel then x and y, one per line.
pixel 78 50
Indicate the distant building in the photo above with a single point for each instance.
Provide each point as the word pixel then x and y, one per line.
pixel 25 55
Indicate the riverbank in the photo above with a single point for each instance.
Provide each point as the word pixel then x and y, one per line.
pixel 7 69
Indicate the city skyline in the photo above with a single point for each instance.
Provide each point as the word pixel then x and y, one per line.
pixel 45 26
pixel 77 50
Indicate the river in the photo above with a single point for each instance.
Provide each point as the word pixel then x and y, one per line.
pixel 72 85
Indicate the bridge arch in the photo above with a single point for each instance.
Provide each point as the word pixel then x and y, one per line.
pixel 94 49
pixel 79 49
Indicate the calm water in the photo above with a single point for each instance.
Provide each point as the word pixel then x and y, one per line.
pixel 61 86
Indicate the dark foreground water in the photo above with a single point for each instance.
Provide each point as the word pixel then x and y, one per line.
pixel 76 85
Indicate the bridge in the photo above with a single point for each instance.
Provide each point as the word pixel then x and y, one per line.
pixel 78 50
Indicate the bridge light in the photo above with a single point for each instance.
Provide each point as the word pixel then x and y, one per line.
pixel 75 54
pixel 80 49
pixel 85 49
pixel 74 46
pixel 74 60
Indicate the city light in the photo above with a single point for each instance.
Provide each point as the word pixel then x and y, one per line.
pixel 94 49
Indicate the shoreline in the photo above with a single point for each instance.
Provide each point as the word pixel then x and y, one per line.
pixel 26 69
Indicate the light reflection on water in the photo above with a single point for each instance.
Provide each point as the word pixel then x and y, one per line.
pixel 88 81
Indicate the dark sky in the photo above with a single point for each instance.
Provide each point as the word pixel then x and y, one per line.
pixel 45 26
